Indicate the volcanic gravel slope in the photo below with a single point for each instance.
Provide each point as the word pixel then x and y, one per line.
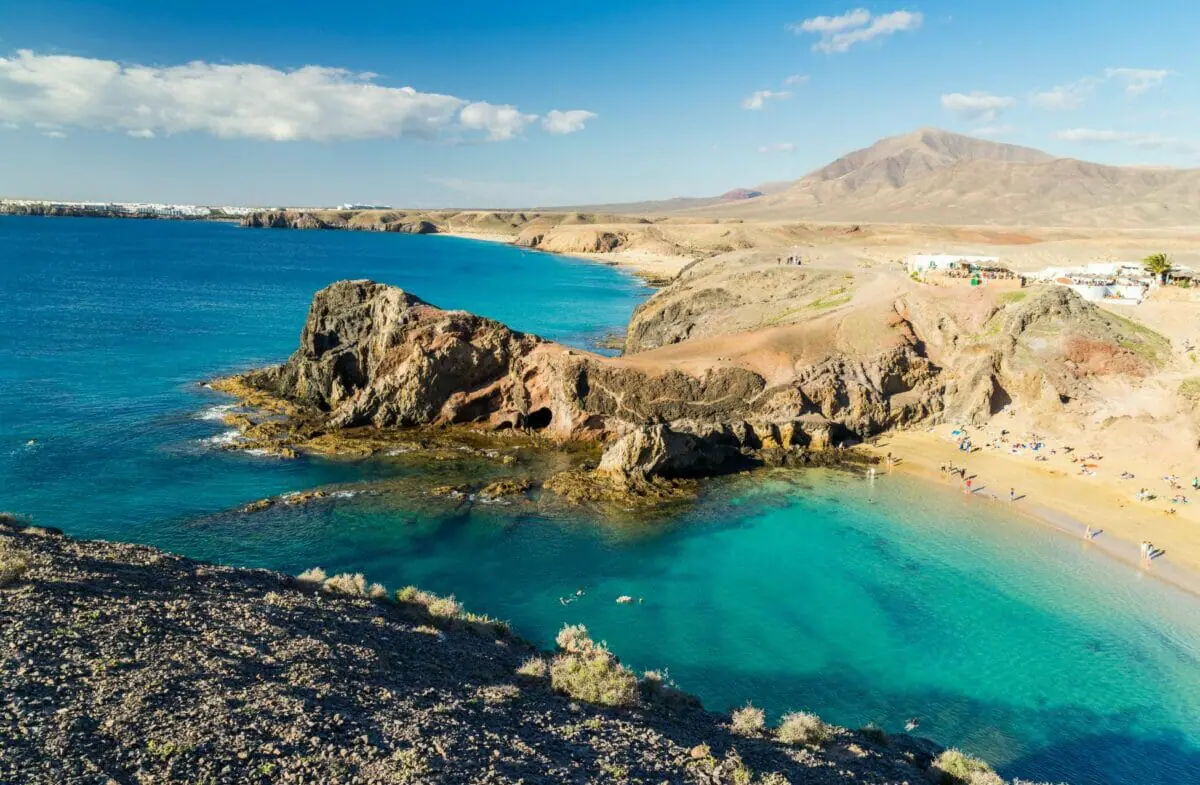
pixel 123 664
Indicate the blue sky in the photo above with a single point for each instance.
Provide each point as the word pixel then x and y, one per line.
pixel 204 102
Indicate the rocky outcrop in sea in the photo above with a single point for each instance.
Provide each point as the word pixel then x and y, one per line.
pixel 376 356
pixel 696 396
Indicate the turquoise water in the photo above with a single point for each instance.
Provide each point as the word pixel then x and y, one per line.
pixel 823 591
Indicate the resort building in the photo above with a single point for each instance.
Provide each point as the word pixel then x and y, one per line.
pixel 961 270
pixel 1114 283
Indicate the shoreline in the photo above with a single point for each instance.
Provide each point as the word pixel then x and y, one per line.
pixel 654 269
pixel 1064 502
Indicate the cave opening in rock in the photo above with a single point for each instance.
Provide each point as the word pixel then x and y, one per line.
pixel 538 419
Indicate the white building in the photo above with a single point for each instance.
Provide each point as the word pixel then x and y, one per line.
pixel 922 263
pixel 1114 283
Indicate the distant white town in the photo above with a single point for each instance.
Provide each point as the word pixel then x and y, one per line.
pixel 152 208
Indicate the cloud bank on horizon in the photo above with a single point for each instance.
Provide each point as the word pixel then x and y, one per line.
pixel 55 93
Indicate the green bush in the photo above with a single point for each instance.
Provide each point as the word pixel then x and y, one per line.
pixel 800 727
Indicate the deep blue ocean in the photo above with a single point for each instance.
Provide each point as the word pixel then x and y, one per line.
pixel 864 601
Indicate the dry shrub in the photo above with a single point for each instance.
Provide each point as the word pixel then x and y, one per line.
pixel 588 671
pixel 875 734
pixel 445 607
pixel 534 668
pixel 801 727
pixel 314 577
pixel 657 687
pixel 13 566
pixel 748 721
pixel 354 586
pixel 574 639
pixel 954 767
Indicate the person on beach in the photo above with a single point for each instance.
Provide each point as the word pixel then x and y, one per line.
pixel 1087 533
pixel 1012 495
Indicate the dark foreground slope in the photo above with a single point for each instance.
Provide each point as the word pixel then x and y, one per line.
pixel 123 664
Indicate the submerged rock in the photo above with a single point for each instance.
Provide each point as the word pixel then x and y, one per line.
pixel 506 487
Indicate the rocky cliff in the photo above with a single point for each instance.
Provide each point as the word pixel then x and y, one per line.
pixel 957 353
pixel 839 364
pixel 374 355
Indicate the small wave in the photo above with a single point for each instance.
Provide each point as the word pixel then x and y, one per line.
pixel 225 439
pixel 216 413
pixel 344 494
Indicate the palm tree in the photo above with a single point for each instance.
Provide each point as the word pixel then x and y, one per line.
pixel 1158 264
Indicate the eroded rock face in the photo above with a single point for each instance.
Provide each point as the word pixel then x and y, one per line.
pixel 376 355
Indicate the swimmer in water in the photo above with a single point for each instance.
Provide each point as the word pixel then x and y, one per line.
pixel 912 724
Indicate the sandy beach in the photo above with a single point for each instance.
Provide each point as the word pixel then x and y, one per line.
pixel 1056 493
pixel 656 269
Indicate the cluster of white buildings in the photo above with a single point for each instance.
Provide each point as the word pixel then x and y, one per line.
pixel 131 208
pixel 957 269
pixel 1115 283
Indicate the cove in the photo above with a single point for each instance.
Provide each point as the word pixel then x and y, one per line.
pixel 816 590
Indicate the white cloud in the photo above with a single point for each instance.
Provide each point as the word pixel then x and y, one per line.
pixel 839 33
pixel 9 126
pixel 796 79
pixel 235 101
pixel 568 122
pixel 991 131
pixel 833 24
pixel 54 134
pixel 782 147
pixel 977 106
pixel 502 122
pixel 1137 80
pixel 141 133
pixel 1144 140
pixel 759 98
pixel 1065 96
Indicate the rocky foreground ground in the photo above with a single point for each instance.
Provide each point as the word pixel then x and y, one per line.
pixel 123 664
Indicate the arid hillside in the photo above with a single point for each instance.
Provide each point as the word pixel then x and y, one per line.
pixel 937 177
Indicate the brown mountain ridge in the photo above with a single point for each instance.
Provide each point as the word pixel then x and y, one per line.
pixel 932 176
